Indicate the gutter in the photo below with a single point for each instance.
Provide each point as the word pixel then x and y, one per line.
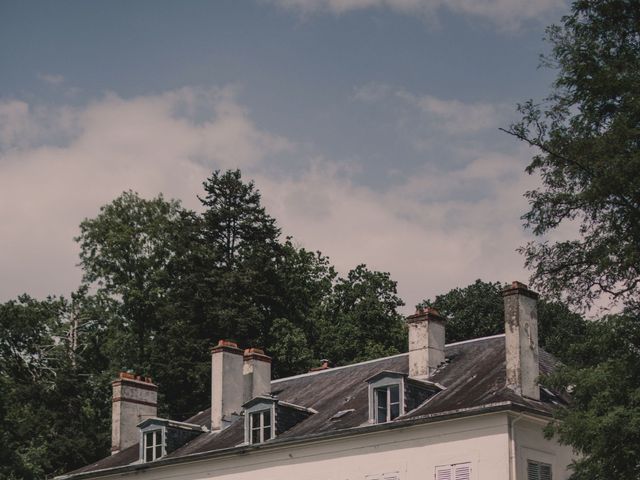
pixel 512 446
pixel 317 437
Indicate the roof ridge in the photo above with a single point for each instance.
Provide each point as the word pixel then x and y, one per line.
pixel 318 372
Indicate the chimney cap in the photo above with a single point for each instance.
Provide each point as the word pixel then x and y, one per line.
pixel 426 314
pixel 519 288
pixel 129 378
pixel 227 346
pixel 256 354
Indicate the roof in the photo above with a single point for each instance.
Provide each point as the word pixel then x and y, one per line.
pixel 473 378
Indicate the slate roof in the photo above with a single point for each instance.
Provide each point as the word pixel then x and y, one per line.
pixel 473 377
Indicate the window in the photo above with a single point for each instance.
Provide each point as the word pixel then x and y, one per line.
pixel 387 403
pixel 538 470
pixel 153 445
pixel 260 426
pixel 458 471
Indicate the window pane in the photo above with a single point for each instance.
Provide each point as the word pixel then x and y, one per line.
pixel 255 420
pixel 255 435
pixel 394 393
pixel 158 437
pixel 158 451
pixel 394 411
pixel 381 405
pixel 267 433
pixel 148 454
pixel 148 439
pixel 266 418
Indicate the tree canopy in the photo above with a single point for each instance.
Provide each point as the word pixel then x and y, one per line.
pixel 477 310
pixel 587 133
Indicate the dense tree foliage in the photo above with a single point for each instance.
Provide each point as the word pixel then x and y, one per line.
pixel 603 421
pixel 49 406
pixel 166 284
pixel 588 135
pixel 477 310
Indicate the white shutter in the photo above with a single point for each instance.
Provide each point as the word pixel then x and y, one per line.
pixel 444 473
pixel 462 471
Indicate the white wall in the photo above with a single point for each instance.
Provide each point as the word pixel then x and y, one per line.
pixel 412 452
pixel 531 444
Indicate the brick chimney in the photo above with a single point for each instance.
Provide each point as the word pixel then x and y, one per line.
pixel 426 342
pixel 227 384
pixel 521 339
pixel 135 399
pixel 256 373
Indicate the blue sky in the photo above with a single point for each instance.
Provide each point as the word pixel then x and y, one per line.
pixel 370 126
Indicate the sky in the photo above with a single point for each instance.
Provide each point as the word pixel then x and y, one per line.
pixel 370 127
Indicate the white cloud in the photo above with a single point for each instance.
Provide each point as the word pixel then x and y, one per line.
pixel 449 115
pixel 150 144
pixel 506 14
pixel 51 79
pixel 423 230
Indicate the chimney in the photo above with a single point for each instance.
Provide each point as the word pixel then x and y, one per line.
pixel 521 339
pixel 135 399
pixel 226 384
pixel 256 372
pixel 426 342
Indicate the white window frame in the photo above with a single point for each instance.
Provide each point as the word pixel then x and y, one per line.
pixel 381 382
pixel 259 406
pixel 261 428
pixel 388 402
pixel 154 447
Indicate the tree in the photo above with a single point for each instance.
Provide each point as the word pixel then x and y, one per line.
pixel 602 422
pixel 124 251
pixel 360 320
pixel 53 405
pixel 477 310
pixel 587 133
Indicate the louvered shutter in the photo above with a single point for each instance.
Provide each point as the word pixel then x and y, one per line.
pixel 444 473
pixel 545 472
pixel 538 471
pixel 462 471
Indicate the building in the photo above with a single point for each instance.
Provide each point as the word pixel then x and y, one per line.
pixel 470 410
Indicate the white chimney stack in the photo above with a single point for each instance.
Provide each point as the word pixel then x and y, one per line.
pixel 226 384
pixel 135 399
pixel 426 342
pixel 256 373
pixel 521 340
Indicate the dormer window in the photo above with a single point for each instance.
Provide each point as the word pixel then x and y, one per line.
pixel 392 394
pixel 153 445
pixel 386 396
pixel 260 425
pixel 387 403
pixel 266 417
pixel 160 436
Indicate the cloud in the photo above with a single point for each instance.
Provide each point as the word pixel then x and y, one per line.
pixel 439 228
pixel 449 115
pixel 51 79
pixel 157 143
pixel 506 14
